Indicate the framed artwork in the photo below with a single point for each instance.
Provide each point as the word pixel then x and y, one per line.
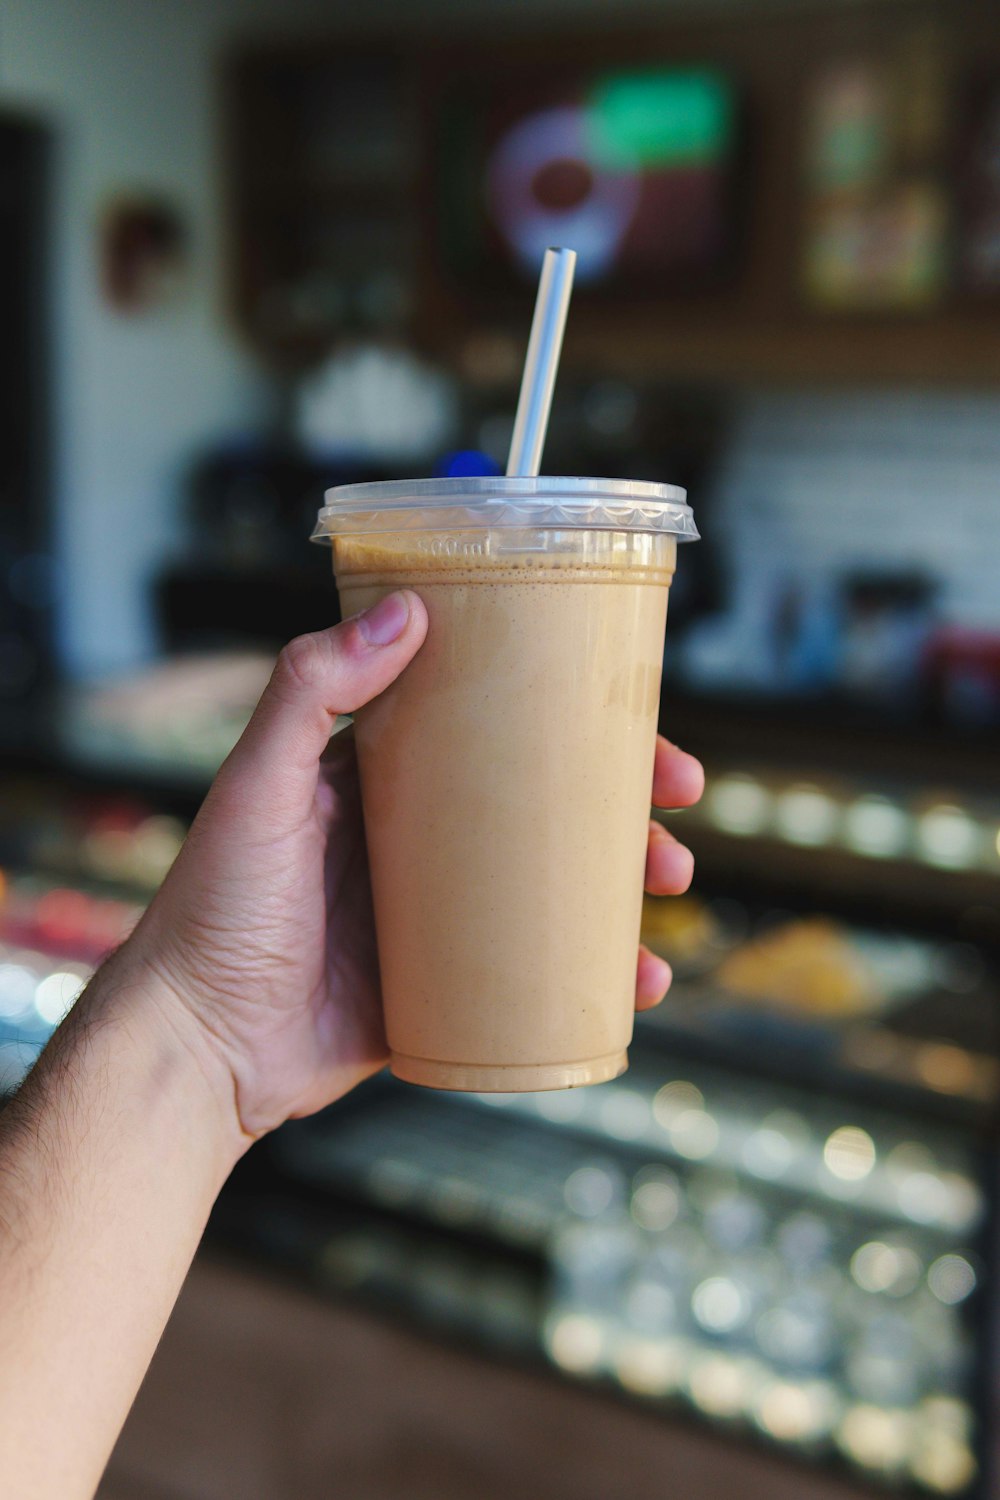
pixel 876 213
pixel 634 166
pixel 142 252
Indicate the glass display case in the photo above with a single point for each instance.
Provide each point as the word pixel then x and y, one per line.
pixel 780 1220
pixel 788 1251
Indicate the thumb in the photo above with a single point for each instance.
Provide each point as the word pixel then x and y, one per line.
pixel 320 676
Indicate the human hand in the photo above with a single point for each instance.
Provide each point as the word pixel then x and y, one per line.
pixel 262 938
pixel 678 781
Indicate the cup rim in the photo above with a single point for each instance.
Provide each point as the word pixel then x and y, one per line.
pixel 550 502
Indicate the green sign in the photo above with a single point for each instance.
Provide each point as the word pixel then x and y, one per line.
pixel 660 119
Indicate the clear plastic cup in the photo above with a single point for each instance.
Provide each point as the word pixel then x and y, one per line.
pixel 506 773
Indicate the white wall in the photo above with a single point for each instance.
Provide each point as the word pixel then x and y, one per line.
pixel 841 481
pixel 128 86
pixel 817 485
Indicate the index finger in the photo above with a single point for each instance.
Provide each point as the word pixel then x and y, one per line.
pixel 678 778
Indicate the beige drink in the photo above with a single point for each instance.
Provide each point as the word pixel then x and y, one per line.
pixel 506 784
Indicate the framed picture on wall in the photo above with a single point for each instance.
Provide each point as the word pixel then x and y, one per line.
pixel 876 210
pixel 632 165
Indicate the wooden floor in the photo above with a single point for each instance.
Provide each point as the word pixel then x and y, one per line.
pixel 262 1392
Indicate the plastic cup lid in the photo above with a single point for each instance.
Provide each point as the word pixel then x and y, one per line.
pixel 490 501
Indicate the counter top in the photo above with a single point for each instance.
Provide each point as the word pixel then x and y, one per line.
pixel 265 1391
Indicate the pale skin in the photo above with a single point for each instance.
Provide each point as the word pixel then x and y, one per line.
pixel 247 995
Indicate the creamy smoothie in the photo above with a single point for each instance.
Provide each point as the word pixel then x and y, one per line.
pixel 506 785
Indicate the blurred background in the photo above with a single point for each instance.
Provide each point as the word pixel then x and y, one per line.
pixel 252 248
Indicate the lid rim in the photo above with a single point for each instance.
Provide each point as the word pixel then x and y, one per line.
pixel 487 502
pixel 481 486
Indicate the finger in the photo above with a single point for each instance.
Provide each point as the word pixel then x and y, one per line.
pixel 320 676
pixel 669 865
pixel 678 778
pixel 652 979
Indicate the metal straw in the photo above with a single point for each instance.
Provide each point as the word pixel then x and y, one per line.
pixel 541 363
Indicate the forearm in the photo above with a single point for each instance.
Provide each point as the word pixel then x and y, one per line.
pixel 110 1158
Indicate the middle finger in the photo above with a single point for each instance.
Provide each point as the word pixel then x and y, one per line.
pixel 678 778
pixel 669 865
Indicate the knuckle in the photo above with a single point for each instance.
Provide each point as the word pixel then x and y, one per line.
pixel 300 663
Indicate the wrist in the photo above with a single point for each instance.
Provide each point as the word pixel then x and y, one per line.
pixel 169 1059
